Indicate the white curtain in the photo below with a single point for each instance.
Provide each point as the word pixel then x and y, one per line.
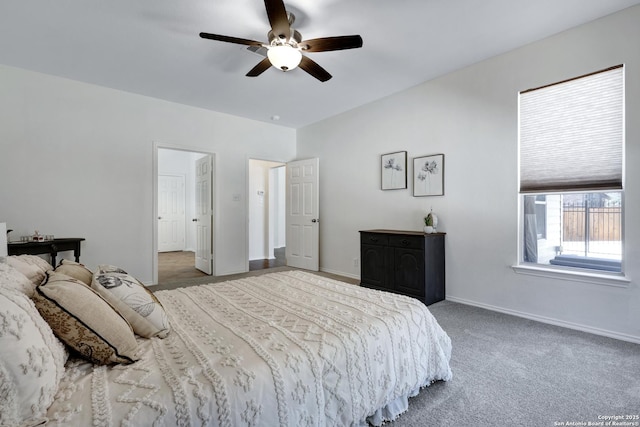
pixel 530 230
pixel 3 240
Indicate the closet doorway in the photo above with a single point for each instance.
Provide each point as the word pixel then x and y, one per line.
pixel 267 219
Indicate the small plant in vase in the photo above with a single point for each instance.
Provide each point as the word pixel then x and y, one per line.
pixel 430 223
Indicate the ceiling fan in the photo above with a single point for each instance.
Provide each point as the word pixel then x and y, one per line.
pixel 285 47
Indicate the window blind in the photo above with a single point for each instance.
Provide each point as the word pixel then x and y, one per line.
pixel 571 134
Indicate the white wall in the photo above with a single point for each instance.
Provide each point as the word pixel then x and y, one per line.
pixel 471 116
pixel 76 160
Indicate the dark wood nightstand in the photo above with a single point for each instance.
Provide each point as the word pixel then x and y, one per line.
pixel 51 247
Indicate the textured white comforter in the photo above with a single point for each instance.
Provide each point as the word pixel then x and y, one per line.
pixel 282 349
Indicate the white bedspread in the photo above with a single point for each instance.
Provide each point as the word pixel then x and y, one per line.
pixel 282 349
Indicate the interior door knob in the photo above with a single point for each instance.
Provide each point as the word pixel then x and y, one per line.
pixel 159 217
pixel 195 220
pixel 315 220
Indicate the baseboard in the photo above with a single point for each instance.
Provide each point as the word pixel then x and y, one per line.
pixel 549 320
pixel 340 273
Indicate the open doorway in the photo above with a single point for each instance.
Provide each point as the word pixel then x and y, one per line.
pixel 267 219
pixel 184 206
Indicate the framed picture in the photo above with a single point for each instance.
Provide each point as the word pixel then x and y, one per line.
pixel 428 175
pixel 394 170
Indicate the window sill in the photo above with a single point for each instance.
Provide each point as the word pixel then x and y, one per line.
pixel 609 279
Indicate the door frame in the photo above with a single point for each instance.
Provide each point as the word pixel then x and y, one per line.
pixel 247 206
pixel 154 239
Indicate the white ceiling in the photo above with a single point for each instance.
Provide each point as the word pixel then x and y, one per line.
pixel 152 47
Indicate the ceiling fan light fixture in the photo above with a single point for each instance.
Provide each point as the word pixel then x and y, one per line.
pixel 284 57
pixel 285 45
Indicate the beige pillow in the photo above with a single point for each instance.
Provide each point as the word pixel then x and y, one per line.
pixel 134 301
pixel 32 266
pixel 85 321
pixel 37 261
pixel 75 270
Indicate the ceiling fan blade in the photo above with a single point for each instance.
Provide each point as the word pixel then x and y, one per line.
pixel 278 18
pixel 311 67
pixel 230 39
pixel 260 68
pixel 325 44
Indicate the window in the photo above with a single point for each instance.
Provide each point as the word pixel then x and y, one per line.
pixel 571 172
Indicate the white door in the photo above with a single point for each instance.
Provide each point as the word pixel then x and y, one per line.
pixel 303 207
pixel 171 213
pixel 203 218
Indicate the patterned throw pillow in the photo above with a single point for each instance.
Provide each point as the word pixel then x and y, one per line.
pixel 75 270
pixel 85 321
pixel 133 300
pixel 107 268
pixel 31 361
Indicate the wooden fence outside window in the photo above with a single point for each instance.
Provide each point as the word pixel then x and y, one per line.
pixel 585 223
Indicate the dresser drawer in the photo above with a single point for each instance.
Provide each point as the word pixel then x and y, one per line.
pixel 405 241
pixel 374 239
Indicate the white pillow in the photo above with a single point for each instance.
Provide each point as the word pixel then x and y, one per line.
pixel 31 361
pixel 133 300
pixel 10 278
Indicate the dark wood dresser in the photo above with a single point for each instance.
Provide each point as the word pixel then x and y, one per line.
pixel 405 262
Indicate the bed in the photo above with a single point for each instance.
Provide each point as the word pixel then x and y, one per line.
pixel 281 349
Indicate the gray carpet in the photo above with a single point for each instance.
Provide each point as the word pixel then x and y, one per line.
pixel 509 371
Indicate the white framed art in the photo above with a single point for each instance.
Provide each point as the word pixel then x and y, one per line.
pixel 393 169
pixel 428 175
